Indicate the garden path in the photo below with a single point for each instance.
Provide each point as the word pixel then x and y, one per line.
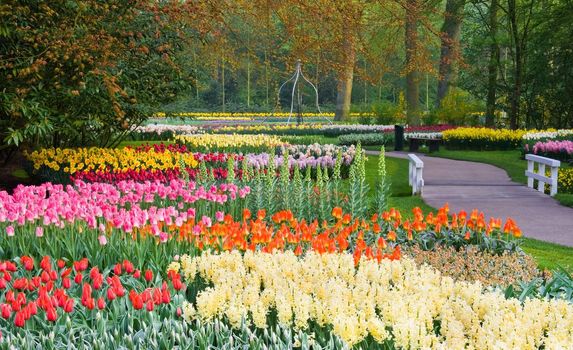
pixel 468 185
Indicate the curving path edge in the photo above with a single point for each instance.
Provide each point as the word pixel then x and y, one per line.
pixel 468 185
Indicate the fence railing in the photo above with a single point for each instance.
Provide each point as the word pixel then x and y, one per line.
pixel 415 169
pixel 540 175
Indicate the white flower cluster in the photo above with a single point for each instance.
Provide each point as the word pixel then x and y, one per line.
pixel 548 134
pixel 318 150
pixel 175 129
pixel 350 128
pixel 370 300
pixel 423 135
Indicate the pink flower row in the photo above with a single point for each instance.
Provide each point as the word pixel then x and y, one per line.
pixel 125 205
pixel 553 147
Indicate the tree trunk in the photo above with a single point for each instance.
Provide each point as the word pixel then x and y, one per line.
pixel 517 66
pixel 412 76
pixel 344 92
pixel 492 67
pixel 450 38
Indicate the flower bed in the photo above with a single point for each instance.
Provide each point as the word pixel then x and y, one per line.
pixel 562 150
pixel 56 164
pixel 377 139
pixel 565 180
pixel 396 303
pixel 152 132
pixel 482 138
pixel 229 143
pixel 550 134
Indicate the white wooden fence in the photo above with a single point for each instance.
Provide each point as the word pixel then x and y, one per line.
pixel 540 176
pixel 415 179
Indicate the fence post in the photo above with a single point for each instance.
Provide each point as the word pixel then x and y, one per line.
pixel 530 164
pixel 541 171
pixel 554 177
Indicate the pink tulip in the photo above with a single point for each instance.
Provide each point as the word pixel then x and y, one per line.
pixel 39 231
pixel 102 240
pixel 10 231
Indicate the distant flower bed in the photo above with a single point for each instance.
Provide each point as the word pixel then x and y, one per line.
pixel 164 131
pixel 251 115
pixel 562 150
pixel 548 134
pixel 229 143
pixel 373 139
pixel 483 138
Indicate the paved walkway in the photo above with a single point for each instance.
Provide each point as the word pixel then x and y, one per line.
pixel 468 185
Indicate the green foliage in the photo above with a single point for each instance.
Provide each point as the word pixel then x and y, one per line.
pixel 77 73
pixel 458 108
pixel 385 112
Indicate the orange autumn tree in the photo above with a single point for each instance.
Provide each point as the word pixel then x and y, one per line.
pixel 84 72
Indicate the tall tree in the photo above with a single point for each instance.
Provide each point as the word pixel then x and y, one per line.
pixel 492 65
pixel 449 53
pixel 412 73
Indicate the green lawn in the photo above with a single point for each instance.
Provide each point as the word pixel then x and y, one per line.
pixel 548 255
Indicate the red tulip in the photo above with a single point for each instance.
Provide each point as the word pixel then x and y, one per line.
pixel 66 283
pixel 90 303
pixel 7 276
pixel 110 294
pixel 46 263
pixel 45 276
pixel 19 320
pixel 10 296
pixel 100 303
pixel 2 283
pixel 6 311
pixel 165 296
pixel 179 312
pixel 51 314
pixel 61 264
pixel 137 274
pixel 69 305
pixel 128 266
pixel 136 300
pixel 177 284
pixel 78 278
pixel 33 308
pixel 10 266
pixel 149 306
pixel 94 272
pixel 117 269
pixel 27 262
pixel 53 275
pixel 148 275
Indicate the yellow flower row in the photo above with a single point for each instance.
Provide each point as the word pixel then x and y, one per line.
pixel 219 141
pixel 483 134
pixel 72 160
pixel 251 115
pixel 371 299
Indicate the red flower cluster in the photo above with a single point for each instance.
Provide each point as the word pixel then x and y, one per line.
pixel 26 291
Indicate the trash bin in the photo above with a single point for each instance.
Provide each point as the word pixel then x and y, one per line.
pixel 398 137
